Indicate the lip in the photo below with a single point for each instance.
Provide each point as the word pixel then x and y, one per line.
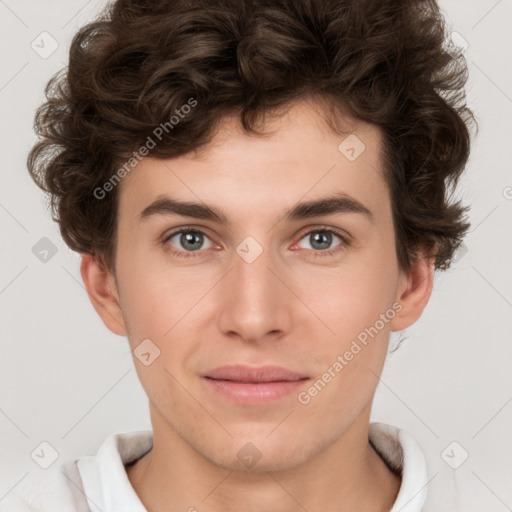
pixel 254 374
pixel 254 385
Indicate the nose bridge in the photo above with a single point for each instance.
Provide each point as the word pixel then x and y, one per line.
pixel 254 299
pixel 251 268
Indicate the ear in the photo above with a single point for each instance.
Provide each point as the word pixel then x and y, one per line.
pixel 414 292
pixel 101 288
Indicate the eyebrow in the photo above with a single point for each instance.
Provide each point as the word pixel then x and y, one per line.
pixel 336 203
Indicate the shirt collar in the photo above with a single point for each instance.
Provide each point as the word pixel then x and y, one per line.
pixel 402 454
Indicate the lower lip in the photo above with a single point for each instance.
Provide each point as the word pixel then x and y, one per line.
pixel 254 393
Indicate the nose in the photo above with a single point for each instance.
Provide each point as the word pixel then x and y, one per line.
pixel 255 303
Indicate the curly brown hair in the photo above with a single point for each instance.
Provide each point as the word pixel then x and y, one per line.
pixel 385 62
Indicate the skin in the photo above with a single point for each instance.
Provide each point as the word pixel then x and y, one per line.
pixel 288 308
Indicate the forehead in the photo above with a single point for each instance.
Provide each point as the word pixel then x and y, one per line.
pixel 299 157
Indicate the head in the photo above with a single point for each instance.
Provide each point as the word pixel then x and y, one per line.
pixel 228 124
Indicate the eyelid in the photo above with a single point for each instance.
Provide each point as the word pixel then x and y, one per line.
pixel 319 227
pixel 186 228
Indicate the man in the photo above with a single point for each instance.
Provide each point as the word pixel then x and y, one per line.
pixel 258 191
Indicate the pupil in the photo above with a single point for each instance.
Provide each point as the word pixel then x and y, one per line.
pixel 321 238
pixel 187 240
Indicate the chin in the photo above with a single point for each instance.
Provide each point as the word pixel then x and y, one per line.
pixel 260 454
pixel 277 462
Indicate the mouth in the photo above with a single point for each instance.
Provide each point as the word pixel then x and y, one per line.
pixel 253 385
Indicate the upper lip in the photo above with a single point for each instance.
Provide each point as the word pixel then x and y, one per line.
pixel 244 373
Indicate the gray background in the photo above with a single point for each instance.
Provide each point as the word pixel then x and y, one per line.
pixel 67 380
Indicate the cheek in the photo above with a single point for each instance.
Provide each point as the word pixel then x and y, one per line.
pixel 167 309
pixel 153 294
pixel 346 384
pixel 355 302
pixel 349 298
pixel 350 361
pixel 145 307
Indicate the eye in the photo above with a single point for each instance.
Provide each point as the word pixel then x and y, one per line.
pixel 320 241
pixel 187 241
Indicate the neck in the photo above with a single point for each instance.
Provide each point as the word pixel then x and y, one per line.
pixel 349 475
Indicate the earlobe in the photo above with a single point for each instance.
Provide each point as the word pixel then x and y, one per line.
pixel 100 286
pixel 414 293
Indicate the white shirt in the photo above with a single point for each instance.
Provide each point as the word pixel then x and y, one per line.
pixel 100 483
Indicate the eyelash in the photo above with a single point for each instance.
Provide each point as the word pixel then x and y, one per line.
pixel 316 253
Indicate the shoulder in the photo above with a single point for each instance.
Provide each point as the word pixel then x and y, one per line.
pixel 45 491
pixel 72 485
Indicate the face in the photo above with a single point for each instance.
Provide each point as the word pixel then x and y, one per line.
pixel 250 277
